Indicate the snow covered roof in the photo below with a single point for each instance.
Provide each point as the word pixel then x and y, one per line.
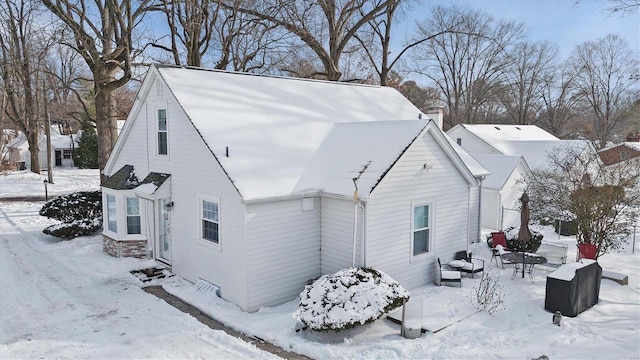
pixel 476 168
pixel 349 147
pixel 272 126
pixel 535 152
pixel 629 144
pixel 501 167
pixel 495 132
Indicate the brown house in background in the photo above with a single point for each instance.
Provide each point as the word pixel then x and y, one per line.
pixel 622 152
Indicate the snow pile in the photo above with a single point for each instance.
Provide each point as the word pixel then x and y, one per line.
pixel 347 298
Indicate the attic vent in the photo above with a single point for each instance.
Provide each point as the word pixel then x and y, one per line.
pixel 497 128
pixel 517 127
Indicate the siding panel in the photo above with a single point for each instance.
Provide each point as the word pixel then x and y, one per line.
pixel 389 214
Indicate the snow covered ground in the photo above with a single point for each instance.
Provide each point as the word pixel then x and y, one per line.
pixel 69 299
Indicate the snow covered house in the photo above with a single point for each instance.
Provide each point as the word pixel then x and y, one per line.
pixel 529 141
pixel 620 153
pixel 501 190
pixel 247 182
pixel 16 151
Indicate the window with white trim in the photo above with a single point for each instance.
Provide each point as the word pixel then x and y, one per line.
pixel 421 230
pixel 210 221
pixel 67 154
pixel 133 216
pixel 163 145
pixel 112 220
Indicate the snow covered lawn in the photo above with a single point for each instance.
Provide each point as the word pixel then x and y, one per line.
pixel 67 299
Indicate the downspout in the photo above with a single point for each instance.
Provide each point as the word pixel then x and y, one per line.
pixel 468 216
pixel 480 208
pixel 355 225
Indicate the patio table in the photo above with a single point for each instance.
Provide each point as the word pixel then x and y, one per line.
pixel 524 259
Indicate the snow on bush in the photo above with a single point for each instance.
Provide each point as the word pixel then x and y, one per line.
pixel 347 298
pixel 80 213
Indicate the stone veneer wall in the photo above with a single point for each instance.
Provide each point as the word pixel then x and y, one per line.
pixel 124 248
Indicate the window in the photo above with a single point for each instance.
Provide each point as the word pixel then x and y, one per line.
pixel 420 229
pixel 623 155
pixel 112 220
pixel 459 141
pixel 210 222
pixel 67 154
pixel 133 216
pixel 162 132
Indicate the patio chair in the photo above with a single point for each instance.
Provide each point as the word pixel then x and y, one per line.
pixel 468 264
pixel 448 276
pixel 498 238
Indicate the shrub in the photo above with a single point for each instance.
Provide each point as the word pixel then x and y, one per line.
pixel 86 155
pixel 347 298
pixel 488 294
pixel 74 229
pixel 514 244
pixel 80 214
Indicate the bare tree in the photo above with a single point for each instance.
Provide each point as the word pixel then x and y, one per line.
pixel 466 65
pixel 559 102
pixel 624 6
pixel 327 27
pixel 603 71
pixel 102 34
pixel 604 201
pixel 523 80
pixel 23 47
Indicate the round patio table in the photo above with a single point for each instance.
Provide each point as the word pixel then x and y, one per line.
pixel 524 259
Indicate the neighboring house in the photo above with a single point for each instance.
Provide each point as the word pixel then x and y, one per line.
pixel 16 151
pixel 529 141
pixel 247 182
pixel 509 175
pixel 624 152
pixel 501 190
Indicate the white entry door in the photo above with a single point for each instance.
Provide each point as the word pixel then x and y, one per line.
pixel 164 231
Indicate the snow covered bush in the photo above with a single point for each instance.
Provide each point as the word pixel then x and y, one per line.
pixel 80 213
pixel 514 244
pixel 347 298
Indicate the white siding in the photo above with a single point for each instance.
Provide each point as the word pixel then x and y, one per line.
pixel 470 142
pixel 283 250
pixel 388 237
pixel 510 197
pixel 195 174
pixel 474 214
pixel 491 209
pixel 337 235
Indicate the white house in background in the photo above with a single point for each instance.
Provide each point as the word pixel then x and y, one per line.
pixel 247 182
pixel 501 190
pixel 16 151
pixel 510 153
pixel 530 141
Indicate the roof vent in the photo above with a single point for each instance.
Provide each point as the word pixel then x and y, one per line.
pixel 517 127
pixel 497 128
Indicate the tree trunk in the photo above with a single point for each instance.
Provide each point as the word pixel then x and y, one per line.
pixel 34 150
pixel 106 126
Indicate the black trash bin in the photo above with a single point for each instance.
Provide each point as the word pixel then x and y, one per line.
pixel 573 288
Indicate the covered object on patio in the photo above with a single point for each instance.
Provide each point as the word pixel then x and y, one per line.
pixel 573 288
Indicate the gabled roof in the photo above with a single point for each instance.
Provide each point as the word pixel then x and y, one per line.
pixel 272 126
pixel 499 132
pixel 536 152
pixel 476 168
pixel 349 147
pixel 629 144
pixel 501 167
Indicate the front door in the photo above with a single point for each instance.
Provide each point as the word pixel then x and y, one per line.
pixel 164 231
